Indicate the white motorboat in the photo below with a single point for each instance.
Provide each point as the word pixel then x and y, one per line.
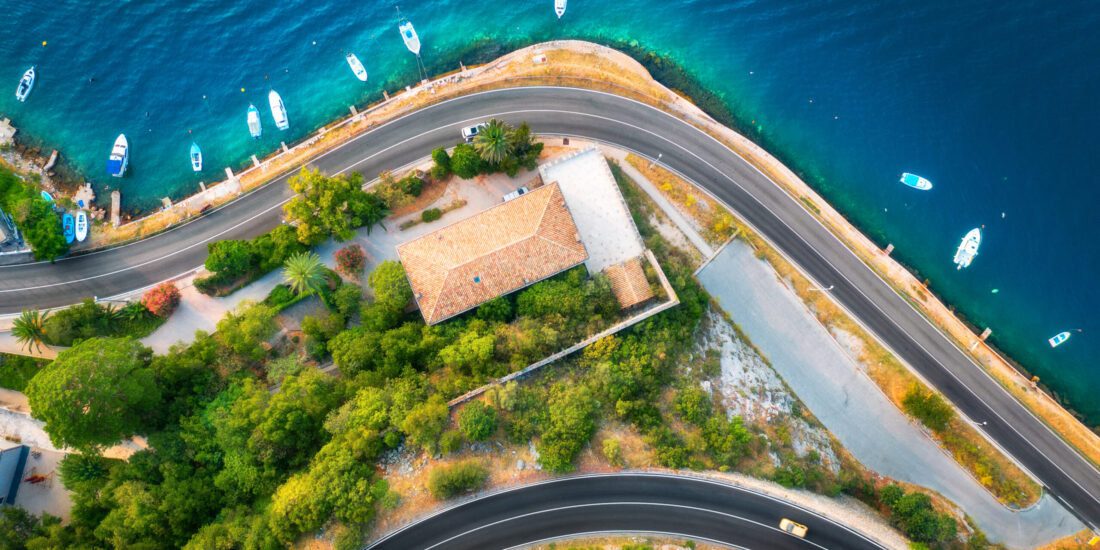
pixel 26 84
pixel 196 157
pixel 915 181
pixel 119 158
pixel 81 226
pixel 412 40
pixel 254 126
pixel 357 67
pixel 968 248
pixel 559 7
pixel 1058 339
pixel 278 110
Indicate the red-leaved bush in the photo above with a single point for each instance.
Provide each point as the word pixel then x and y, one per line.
pixel 162 299
pixel 350 260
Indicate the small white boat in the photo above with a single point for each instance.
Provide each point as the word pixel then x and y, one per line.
pixel 119 158
pixel 968 248
pixel 26 84
pixel 196 157
pixel 81 226
pixel 357 67
pixel 1058 339
pixel 559 7
pixel 254 126
pixel 915 181
pixel 408 34
pixel 278 110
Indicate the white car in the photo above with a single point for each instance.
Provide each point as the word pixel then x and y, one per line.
pixel 470 132
pixel 516 194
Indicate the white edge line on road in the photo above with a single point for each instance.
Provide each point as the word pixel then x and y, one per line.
pixel 626 503
pixel 670 534
pixel 692 127
pixel 678 477
pixel 860 291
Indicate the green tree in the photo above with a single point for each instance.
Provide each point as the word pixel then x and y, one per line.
pixel 242 334
pixel 391 287
pixel 17 527
pixel 95 393
pixel 466 163
pixel 447 481
pixel 572 422
pixel 331 206
pixel 492 142
pixel 694 405
pixel 425 422
pixel 230 258
pixel 441 164
pixel 42 229
pixel 29 329
pixel 477 421
pixel 304 273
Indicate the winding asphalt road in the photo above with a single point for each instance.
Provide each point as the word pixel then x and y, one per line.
pixel 633 503
pixel 647 131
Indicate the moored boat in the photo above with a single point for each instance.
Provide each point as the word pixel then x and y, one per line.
pixel 26 84
pixel 408 34
pixel 254 126
pixel 968 248
pixel 915 181
pixel 67 226
pixel 196 157
pixel 1058 339
pixel 119 158
pixel 81 226
pixel 356 66
pixel 559 7
pixel 46 196
pixel 278 110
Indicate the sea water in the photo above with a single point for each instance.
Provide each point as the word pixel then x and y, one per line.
pixel 995 102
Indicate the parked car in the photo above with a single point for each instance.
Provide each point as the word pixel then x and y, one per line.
pixel 796 529
pixel 470 132
pixel 516 194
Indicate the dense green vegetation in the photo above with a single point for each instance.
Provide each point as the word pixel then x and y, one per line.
pixel 89 319
pixel 913 513
pixel 331 206
pixel 497 148
pixel 35 217
pixel 929 408
pixel 17 370
pixel 235 263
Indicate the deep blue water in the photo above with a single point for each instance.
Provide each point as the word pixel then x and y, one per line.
pixel 995 101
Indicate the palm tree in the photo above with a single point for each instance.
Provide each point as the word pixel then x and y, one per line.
pixel 492 142
pixel 304 272
pixel 29 329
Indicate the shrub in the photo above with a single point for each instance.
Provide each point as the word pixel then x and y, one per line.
pixel 231 258
pixel 162 299
pixel 450 441
pixel 613 452
pixel 17 370
pixel 929 408
pixel 442 164
pixel 466 163
pixel 478 421
pixel 430 215
pixel 280 297
pixel 694 405
pixel 347 299
pixel 447 481
pixel 411 185
pixel 351 260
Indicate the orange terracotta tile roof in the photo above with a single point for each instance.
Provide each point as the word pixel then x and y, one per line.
pixel 498 251
pixel 628 283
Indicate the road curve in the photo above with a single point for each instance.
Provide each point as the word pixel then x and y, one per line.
pixel 648 131
pixel 653 503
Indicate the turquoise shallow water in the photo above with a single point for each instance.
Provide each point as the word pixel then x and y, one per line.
pixel 992 101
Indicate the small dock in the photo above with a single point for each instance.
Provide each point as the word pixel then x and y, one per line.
pixel 116 207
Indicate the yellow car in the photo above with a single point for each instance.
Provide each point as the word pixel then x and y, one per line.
pixel 793 528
